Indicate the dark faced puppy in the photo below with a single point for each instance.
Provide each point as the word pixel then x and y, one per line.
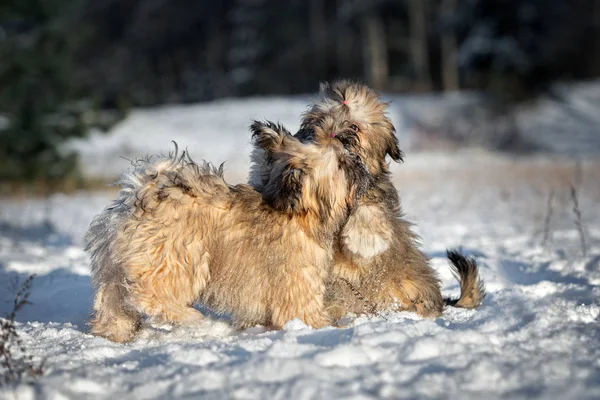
pixel 378 265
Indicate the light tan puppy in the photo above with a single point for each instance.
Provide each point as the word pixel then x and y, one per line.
pixel 178 233
pixel 378 265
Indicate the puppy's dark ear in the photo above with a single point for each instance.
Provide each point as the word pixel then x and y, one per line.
pixel 393 148
pixel 268 135
pixel 284 192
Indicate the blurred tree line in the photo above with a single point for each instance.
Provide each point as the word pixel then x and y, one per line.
pixel 61 61
pixel 155 51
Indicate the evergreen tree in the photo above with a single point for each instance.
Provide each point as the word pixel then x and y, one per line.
pixel 39 103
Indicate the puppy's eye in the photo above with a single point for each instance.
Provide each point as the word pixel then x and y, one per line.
pixel 354 127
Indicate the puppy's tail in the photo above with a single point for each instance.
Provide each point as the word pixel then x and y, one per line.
pixel 168 181
pixel 466 271
pixel 113 318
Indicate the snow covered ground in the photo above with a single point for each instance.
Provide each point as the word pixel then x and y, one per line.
pixel 537 334
pixel 218 131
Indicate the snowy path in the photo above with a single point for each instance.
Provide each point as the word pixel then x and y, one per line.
pixel 537 334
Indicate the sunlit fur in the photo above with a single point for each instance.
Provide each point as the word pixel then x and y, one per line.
pixel 378 265
pixel 178 233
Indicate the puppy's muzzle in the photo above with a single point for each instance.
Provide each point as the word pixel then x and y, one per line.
pixel 347 137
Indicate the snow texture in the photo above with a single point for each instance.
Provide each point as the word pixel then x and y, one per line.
pixel 537 334
pixel 566 124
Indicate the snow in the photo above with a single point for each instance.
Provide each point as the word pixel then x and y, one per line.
pixel 217 131
pixel 536 335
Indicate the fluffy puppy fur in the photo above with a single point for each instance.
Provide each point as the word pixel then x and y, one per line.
pixel 178 233
pixel 378 265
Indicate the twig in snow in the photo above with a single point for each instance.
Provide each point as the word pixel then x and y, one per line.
pixel 547 220
pixel 578 173
pixel 368 304
pixel 15 364
pixel 578 220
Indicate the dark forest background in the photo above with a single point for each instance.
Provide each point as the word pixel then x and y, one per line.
pixel 149 52
pixel 62 61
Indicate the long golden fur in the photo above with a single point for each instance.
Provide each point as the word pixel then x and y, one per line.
pixel 178 233
pixel 378 265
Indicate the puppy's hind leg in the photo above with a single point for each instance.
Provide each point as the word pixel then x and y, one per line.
pixel 113 319
pixel 420 293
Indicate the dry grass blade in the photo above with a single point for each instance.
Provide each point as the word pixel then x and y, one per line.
pixel 578 220
pixel 371 307
pixel 548 218
pixel 15 363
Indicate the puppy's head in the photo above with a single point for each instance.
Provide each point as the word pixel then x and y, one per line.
pixel 356 107
pixel 323 179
